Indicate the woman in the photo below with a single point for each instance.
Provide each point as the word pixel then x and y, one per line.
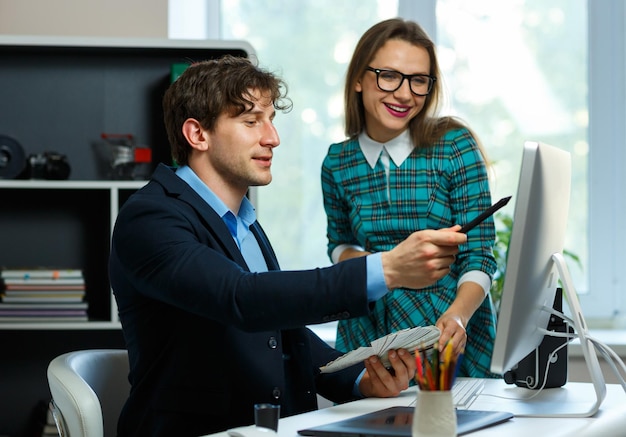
pixel 405 168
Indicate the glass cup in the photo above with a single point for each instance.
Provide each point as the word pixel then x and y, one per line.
pixel 267 415
pixel 434 415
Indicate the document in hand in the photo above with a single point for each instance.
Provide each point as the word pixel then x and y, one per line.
pixel 420 337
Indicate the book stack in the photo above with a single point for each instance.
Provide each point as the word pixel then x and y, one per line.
pixel 42 295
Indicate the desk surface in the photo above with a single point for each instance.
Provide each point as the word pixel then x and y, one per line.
pixel 610 421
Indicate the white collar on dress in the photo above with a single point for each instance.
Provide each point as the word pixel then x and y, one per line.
pixel 399 148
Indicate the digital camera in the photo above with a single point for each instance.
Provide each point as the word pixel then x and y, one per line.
pixel 47 165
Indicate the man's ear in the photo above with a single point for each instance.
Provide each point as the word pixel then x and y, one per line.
pixel 194 133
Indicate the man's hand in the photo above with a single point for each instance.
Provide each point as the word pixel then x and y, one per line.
pixel 379 382
pixel 423 258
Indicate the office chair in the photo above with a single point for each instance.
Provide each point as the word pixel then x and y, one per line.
pixel 89 388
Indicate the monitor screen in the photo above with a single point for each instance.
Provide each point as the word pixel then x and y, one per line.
pixel 538 232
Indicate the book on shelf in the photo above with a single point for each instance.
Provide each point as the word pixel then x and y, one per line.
pixel 43 298
pixel 43 319
pixel 42 313
pixel 43 292
pixel 46 296
pixel 44 305
pixel 37 314
pixel 24 309
pixel 39 272
pixel 43 287
pixel 42 281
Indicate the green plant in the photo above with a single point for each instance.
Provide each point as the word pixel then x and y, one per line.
pixel 504 225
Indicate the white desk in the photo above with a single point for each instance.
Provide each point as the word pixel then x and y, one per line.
pixel 610 421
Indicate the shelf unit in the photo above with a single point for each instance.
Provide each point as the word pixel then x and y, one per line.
pixel 72 221
pixel 60 94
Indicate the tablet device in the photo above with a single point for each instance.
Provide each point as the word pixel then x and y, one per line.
pixel 397 422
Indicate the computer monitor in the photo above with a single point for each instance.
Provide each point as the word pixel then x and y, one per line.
pixel 535 265
pixel 530 280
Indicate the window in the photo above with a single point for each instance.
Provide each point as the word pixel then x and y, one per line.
pixel 310 47
pixel 516 70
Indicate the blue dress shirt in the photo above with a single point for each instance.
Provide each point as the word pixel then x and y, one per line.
pixel 239 227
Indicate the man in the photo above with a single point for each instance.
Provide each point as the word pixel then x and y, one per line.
pixel 211 324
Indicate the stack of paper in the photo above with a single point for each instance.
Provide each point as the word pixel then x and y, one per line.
pixel 420 337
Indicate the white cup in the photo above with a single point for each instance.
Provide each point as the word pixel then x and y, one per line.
pixel 434 415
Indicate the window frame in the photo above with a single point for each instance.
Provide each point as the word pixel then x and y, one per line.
pixel 607 158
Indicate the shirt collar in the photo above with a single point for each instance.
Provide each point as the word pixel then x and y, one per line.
pixel 246 211
pixel 399 148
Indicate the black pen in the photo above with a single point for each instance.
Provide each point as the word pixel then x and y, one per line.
pixel 490 211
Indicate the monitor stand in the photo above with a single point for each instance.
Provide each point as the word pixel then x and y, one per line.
pixel 580 327
pixel 577 400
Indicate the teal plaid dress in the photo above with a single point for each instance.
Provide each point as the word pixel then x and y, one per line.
pixel 435 187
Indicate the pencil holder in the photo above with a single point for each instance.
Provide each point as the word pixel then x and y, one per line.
pixel 434 414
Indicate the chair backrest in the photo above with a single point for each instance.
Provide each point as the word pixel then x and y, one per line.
pixel 89 388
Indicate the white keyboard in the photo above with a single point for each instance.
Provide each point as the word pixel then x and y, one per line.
pixel 465 391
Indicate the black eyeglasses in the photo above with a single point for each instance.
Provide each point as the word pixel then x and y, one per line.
pixel 391 80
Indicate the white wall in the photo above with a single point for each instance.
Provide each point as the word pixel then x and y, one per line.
pixel 110 18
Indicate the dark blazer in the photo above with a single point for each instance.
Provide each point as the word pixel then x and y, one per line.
pixel 206 338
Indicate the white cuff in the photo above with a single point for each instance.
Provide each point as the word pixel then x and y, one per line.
pixel 336 253
pixel 481 278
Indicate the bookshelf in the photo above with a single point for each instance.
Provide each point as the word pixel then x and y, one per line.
pixel 64 224
pixel 60 94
